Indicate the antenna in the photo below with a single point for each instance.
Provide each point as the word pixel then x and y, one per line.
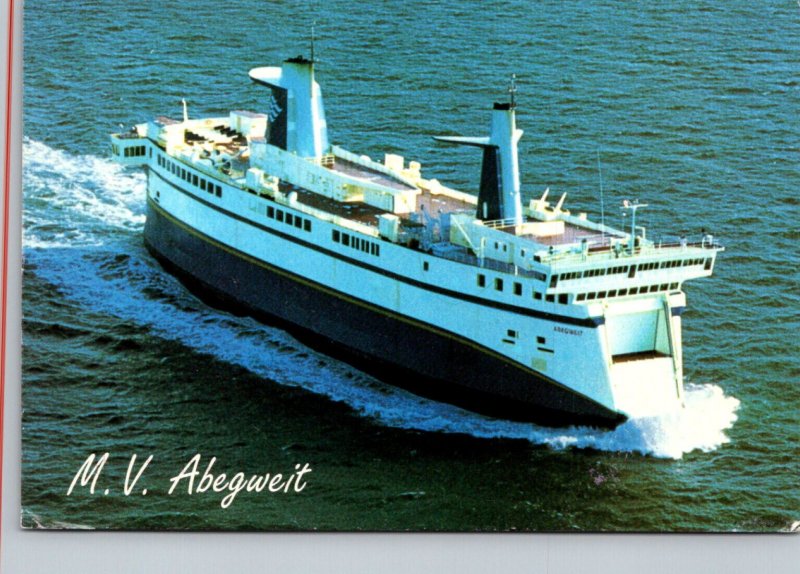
pixel 602 202
pixel 312 39
pixel 512 90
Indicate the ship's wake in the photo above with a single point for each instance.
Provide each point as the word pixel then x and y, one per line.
pixel 83 219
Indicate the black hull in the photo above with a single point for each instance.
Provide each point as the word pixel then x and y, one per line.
pixel 397 350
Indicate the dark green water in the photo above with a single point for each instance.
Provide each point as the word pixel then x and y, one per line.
pixel 693 108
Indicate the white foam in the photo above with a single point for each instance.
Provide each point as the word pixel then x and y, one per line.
pixel 87 269
pixel 77 200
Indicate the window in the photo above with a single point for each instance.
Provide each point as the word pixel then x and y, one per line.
pixel 550 298
pixel 203 184
pixel 541 340
pixel 218 191
pixel 289 218
pixel 563 298
pixel 306 225
pixel 271 212
pixel 591 296
pixel 537 295
pixel 601 295
pixel 622 292
pixel 336 235
pixel 345 239
pixel 279 215
pixel 298 222
pixel 673 286
pixel 195 180
pixel 581 296
pixel 498 284
pixel 517 288
pixel 512 333
pixel 425 266
pixel 481 280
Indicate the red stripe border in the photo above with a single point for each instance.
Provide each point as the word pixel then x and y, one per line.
pixel 6 198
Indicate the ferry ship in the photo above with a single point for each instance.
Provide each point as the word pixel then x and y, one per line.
pixel 521 310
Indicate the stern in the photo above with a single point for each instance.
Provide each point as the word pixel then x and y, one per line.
pixel 643 339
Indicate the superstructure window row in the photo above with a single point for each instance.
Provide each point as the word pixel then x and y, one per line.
pixel 189 177
pixel 671 264
pixel 594 272
pixel 134 151
pixel 563 298
pixel 517 289
pixel 623 292
pixel 288 218
pixel 682 263
pixel 625 268
pixel 358 243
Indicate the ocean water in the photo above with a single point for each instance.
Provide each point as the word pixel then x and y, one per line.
pixel 690 107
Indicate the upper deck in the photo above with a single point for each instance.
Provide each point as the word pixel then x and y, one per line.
pixel 438 220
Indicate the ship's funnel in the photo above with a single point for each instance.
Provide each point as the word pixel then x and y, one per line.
pixel 296 114
pixel 499 196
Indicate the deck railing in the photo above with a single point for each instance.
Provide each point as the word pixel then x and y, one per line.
pixel 498 223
